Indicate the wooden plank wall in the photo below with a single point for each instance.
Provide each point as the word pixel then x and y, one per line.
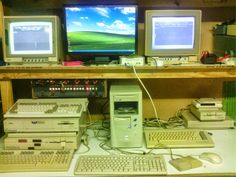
pixel 1 15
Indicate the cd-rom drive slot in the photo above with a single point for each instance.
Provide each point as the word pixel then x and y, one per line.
pixel 123 107
pixel 125 104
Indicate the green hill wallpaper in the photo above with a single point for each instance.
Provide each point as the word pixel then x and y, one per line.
pixel 86 40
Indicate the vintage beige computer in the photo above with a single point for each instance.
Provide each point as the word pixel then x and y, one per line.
pixel 126 116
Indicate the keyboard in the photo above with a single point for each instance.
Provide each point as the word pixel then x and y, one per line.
pixel 35 160
pixel 72 107
pixel 177 138
pixel 120 165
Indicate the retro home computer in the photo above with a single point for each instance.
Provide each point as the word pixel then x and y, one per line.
pixel 172 36
pixel 99 34
pixel 32 40
pixel 126 116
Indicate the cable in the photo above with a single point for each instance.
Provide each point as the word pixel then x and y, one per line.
pixel 154 61
pixel 109 149
pixel 154 108
pixel 84 141
pixel 89 115
pixel 100 132
pixel 102 109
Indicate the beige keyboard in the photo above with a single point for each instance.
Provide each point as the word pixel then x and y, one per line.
pixel 177 138
pixel 35 160
pixel 120 165
pixel 53 107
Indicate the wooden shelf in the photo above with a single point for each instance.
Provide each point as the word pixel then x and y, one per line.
pixel 118 72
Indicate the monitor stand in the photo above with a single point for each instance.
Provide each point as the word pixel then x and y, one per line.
pixel 102 60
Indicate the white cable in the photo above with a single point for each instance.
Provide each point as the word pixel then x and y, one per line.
pixel 154 108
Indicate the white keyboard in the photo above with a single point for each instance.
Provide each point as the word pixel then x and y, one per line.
pixel 177 138
pixel 35 160
pixel 54 107
pixel 120 165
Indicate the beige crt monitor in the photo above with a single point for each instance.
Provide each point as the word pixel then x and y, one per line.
pixel 32 40
pixel 172 34
pixel 126 116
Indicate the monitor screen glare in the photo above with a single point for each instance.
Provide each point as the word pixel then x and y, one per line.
pixel 173 32
pixel 101 29
pixel 31 38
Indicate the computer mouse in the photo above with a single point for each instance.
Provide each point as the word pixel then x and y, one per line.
pixel 211 157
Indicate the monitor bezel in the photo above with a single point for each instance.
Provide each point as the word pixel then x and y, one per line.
pixel 149 14
pixel 90 56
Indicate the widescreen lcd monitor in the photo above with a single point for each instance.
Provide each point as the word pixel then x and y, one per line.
pixel 101 30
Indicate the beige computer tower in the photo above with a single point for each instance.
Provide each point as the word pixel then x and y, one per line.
pixel 126 116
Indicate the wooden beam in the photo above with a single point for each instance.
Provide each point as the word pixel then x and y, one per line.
pixel 6 95
pixel 1 19
pixel 117 72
